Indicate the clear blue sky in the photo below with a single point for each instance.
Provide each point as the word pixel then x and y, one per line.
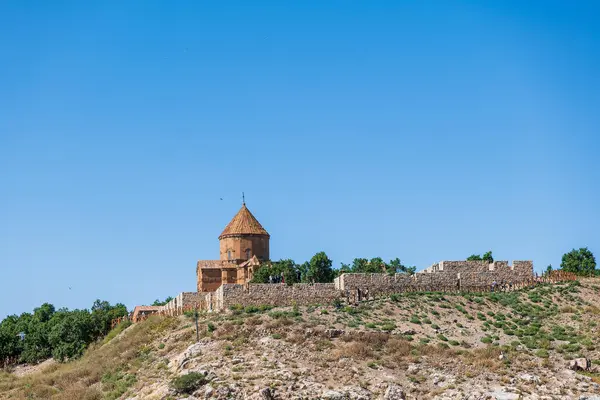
pixel 425 130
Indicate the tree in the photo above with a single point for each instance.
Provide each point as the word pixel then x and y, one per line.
pixel 319 268
pixel 157 302
pixel 360 265
pixel 548 269
pixel 581 262
pixel 488 257
pixel 70 334
pixel 287 267
pixel 62 334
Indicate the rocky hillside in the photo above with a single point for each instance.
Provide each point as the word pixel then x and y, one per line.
pixel 541 343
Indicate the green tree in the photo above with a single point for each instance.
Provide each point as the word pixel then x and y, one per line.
pixel 157 302
pixel 548 269
pixel 319 268
pixel 287 267
pixel 360 265
pixel 70 334
pixel 474 257
pixel 488 257
pixel 581 262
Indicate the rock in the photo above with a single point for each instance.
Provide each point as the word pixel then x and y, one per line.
pixel 394 392
pixel 266 394
pixel 333 333
pixel 413 368
pixel 529 378
pixel 500 394
pixel 579 364
pixel 208 392
pixel 409 332
pixel 334 395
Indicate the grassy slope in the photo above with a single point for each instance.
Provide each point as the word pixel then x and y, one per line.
pixel 460 336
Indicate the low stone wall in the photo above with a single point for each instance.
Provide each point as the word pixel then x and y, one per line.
pixel 275 294
pixel 446 275
pixel 183 300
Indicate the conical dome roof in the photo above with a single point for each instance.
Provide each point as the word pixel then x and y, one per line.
pixel 244 223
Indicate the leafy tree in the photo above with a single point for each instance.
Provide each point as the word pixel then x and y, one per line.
pixel 360 265
pixel 62 334
pixel 157 302
pixel 319 268
pixel 410 270
pixel 581 262
pixel 71 332
pixel 488 257
pixel 303 269
pixel 548 269
pixel 287 267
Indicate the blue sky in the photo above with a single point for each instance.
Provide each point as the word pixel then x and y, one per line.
pixel 425 130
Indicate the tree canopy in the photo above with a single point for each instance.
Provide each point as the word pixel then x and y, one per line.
pixel 581 262
pixel 486 257
pixel 61 334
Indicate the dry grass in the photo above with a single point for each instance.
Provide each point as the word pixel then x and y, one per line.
pixel 81 379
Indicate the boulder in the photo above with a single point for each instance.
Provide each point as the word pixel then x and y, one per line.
pixel 333 333
pixel 394 392
pixel 266 394
pixel 580 364
pixel 334 395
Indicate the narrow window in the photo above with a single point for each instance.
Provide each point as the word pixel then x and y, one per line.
pixel 229 254
pixel 247 254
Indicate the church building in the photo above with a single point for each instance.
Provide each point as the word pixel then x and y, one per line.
pixel 243 246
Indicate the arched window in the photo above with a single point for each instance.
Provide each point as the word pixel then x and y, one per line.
pixel 229 254
pixel 248 253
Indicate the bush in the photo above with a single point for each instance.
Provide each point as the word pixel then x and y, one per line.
pixel 188 383
pixel 542 353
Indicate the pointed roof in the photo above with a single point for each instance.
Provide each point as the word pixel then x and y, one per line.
pixel 244 223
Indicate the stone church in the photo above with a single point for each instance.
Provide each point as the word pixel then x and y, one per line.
pixel 243 245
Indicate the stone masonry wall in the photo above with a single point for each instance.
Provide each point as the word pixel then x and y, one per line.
pixel 447 274
pixel 183 300
pixel 275 294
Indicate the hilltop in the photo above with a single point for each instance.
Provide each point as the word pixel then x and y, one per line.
pixel 414 345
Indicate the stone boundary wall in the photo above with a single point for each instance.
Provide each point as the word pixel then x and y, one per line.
pixel 256 294
pixel 460 275
pixel 445 275
pixel 182 300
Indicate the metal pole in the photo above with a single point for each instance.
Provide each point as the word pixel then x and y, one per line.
pixel 196 316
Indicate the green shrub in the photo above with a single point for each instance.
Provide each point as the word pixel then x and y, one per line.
pixel 442 337
pixel 542 353
pixel 388 327
pixel 188 383
pixel 486 339
pixel 415 320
